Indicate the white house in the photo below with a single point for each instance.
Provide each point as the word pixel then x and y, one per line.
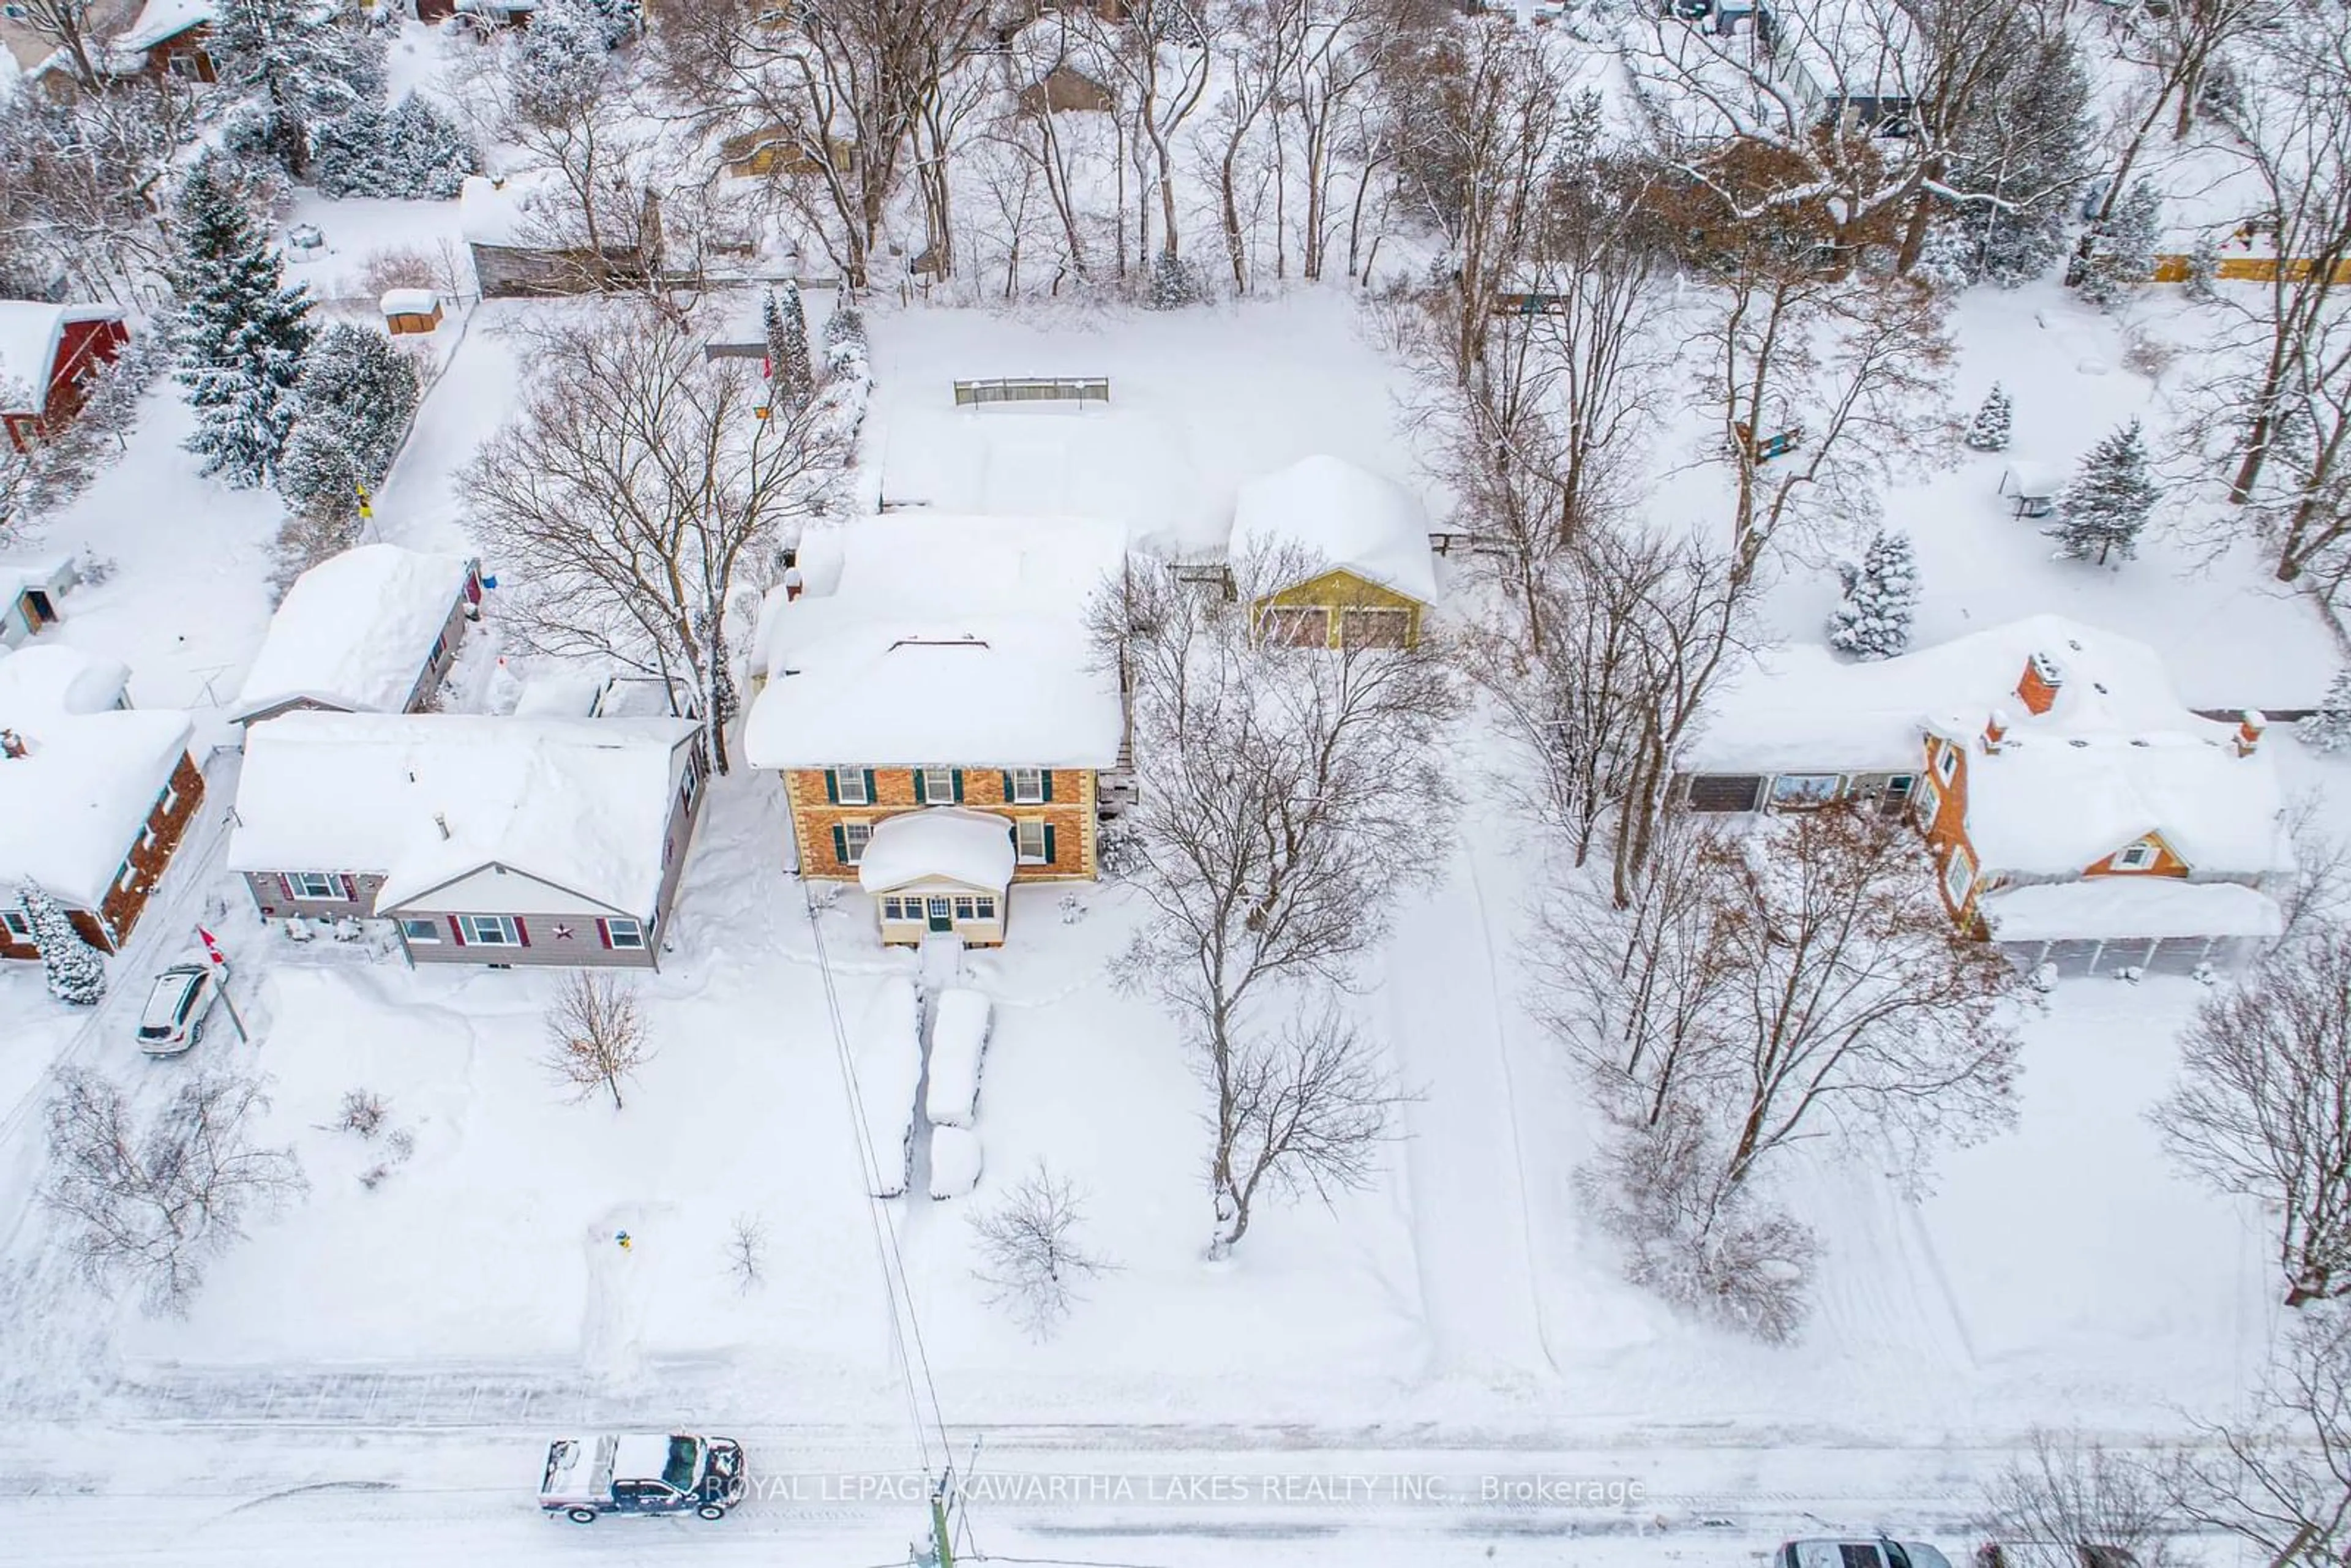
pixel 372 630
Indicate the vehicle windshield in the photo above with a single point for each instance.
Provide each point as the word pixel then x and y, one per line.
pixel 684 1455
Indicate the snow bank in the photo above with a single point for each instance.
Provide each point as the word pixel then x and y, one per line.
pixel 974 848
pixel 958 1041
pixel 889 1064
pixel 355 631
pixel 72 805
pixel 2107 907
pixel 1343 516
pixel 955 1161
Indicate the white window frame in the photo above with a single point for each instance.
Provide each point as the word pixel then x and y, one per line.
pixel 965 908
pixel 502 924
pixel 2139 856
pixel 854 837
pixel 17 925
pixel 1027 786
pixel 420 930
pixel 984 908
pixel 841 786
pixel 299 880
pixel 1926 801
pixel 938 785
pixel 1947 762
pixel 1022 827
pixel 1958 877
pixel 893 908
pixel 636 931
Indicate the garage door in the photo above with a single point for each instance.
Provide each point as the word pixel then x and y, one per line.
pixel 1374 628
pixel 1725 792
pixel 1295 626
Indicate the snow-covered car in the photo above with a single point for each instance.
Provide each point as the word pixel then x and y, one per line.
pixel 641 1472
pixel 1879 1552
pixel 174 1019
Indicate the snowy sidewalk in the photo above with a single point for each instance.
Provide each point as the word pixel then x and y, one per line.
pixel 1467 1188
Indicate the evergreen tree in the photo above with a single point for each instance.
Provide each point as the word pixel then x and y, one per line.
pixel 2125 255
pixel 296 65
pixel 76 975
pixel 789 372
pixel 1988 432
pixel 2109 500
pixel 354 403
pixel 240 333
pixel 560 65
pixel 1174 283
pixel 617 21
pixel 1881 594
pixel 845 350
pixel 2329 729
pixel 410 152
pixel 2025 143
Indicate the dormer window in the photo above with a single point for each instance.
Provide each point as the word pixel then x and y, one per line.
pixel 2140 856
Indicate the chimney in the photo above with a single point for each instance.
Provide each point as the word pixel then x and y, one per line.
pixel 1995 729
pixel 2250 724
pixel 2038 688
pixel 794 584
pixel 12 744
pixel 441 822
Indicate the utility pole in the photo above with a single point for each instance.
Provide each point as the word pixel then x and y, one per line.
pixel 940 1553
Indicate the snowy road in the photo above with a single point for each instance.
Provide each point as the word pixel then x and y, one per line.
pixel 1470 1227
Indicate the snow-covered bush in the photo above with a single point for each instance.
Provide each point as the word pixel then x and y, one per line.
pixel 1988 432
pixel 76 974
pixel 1174 283
pixel 2329 728
pixel 2123 255
pixel 792 375
pixel 558 65
pixel 363 1112
pixel 1032 1255
pixel 845 349
pixel 410 152
pixel 2104 508
pixel 1881 594
pixel 958 1042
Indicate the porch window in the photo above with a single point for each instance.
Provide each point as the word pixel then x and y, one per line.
pixel 1027 786
pixel 623 935
pixel 964 909
pixel 893 908
pixel 489 931
pixel 983 909
pixel 1032 841
pixel 2136 857
pixel 1295 626
pixel 1361 628
pixel 421 932
pixel 849 787
pixel 316 884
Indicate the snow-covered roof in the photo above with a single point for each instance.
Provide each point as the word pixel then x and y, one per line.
pixel 578 805
pixel 409 302
pixel 72 806
pixel 974 848
pixel 2102 907
pixel 160 21
pixel 1341 515
pixel 355 630
pixel 517 210
pixel 925 639
pixel 29 333
pixel 2117 757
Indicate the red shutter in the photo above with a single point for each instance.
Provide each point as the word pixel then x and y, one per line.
pixel 522 931
pixel 457 930
pixel 603 933
pixel 288 883
pixel 348 891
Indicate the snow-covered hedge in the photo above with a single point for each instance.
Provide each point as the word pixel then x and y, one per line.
pixel 959 1040
pixel 888 1075
pixel 955 1161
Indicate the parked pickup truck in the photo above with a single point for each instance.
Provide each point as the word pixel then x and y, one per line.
pixel 638 1472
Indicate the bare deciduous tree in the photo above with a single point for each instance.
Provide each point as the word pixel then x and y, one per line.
pixel 2279 1481
pixel 1033 1256
pixel 158 1199
pixel 2066 1492
pixel 595 1034
pixel 1300 1107
pixel 636 492
pixel 747 1252
pixel 2263 1105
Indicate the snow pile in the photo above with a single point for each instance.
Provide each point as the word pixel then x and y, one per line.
pixel 955 1162
pixel 580 805
pixel 958 1041
pixel 355 631
pixel 71 806
pixel 923 638
pixel 409 302
pixel 29 333
pixel 889 1065
pixel 974 848
pixel 1341 515
pixel 2128 907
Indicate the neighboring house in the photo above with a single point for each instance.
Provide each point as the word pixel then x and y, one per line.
pixel 1850 61
pixel 1359 544
pixel 483 839
pixel 935 662
pixel 521 232
pixel 2079 813
pixel 47 354
pixel 29 594
pixel 94 798
pixel 167 38
pixel 1065 90
pixel 372 630
pixel 777 149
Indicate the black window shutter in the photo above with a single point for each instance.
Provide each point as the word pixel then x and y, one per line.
pixel 832 787
pixel 1046 773
pixel 957 776
pixel 921 788
pixel 841 844
pixel 870 796
pixel 1008 785
pixel 1049 843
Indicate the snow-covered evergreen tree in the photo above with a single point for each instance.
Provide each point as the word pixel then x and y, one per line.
pixel 791 377
pixel 845 351
pixel 2126 248
pixel 76 975
pixel 559 64
pixel 351 407
pixel 2329 728
pixel 1881 594
pixel 2109 501
pixel 1988 432
pixel 240 331
pixel 297 64
pixel 618 20
pixel 2023 143
pixel 410 151
pixel 1174 283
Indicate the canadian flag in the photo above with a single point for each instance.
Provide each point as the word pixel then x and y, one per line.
pixel 211 947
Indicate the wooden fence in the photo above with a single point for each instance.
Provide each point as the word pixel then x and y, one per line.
pixel 2178 268
pixel 1032 389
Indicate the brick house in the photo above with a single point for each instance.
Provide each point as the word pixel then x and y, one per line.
pixel 942 665
pixel 168 37
pixel 1347 553
pixel 47 354
pixel 498 841
pixel 373 629
pixel 94 796
pixel 2079 813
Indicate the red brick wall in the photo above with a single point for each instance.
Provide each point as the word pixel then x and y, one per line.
pixel 166 826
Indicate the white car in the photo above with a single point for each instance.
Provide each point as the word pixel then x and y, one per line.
pixel 1880 1553
pixel 174 1019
